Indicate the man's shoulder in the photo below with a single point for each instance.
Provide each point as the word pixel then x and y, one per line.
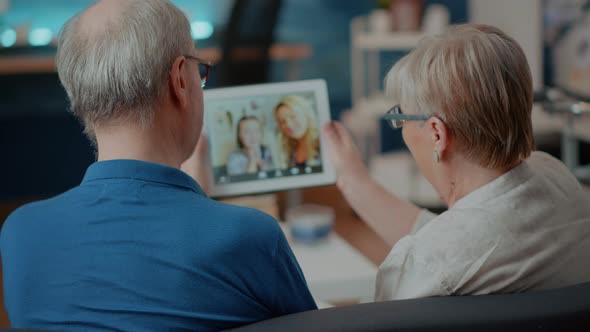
pixel 242 232
pixel 34 211
pixel 244 217
pixel 41 206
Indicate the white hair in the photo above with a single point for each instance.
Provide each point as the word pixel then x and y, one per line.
pixel 119 70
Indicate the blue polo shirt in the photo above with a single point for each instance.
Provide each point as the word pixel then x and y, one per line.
pixel 139 247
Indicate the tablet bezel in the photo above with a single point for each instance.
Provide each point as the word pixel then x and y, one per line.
pixel 328 174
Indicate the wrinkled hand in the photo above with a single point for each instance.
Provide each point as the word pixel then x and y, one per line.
pixel 196 165
pixel 344 154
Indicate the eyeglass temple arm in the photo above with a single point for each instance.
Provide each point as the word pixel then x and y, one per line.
pixel 406 117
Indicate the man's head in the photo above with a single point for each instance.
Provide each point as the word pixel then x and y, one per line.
pixel 121 62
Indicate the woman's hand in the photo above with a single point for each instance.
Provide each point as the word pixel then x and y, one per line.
pixel 390 217
pixel 254 159
pixel 344 155
pixel 196 166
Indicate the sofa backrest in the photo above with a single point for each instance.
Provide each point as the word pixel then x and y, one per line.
pixel 565 309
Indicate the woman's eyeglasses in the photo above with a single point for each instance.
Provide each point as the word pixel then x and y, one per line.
pixel 396 118
pixel 204 68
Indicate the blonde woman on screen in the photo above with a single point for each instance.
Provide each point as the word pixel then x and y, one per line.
pixel 298 137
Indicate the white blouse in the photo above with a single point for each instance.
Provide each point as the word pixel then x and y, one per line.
pixel 528 229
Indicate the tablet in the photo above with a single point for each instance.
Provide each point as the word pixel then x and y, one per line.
pixel 267 137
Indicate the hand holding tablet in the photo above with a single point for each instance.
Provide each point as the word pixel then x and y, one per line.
pixel 267 137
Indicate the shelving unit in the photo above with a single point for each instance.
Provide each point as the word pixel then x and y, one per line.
pixel 368 101
pixel 574 115
pixel 292 54
pixel 365 50
pixel 390 41
pixel 369 104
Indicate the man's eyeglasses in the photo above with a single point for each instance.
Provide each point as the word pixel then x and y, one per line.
pixel 396 118
pixel 204 68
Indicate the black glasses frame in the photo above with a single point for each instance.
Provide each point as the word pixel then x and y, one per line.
pixel 204 68
pixel 396 118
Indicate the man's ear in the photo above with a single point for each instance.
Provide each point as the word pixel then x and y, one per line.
pixel 178 82
pixel 440 135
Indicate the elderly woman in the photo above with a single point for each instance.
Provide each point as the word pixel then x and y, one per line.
pixel 517 220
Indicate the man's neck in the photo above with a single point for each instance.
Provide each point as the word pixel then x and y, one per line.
pixel 151 145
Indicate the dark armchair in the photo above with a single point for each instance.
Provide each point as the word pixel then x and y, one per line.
pixel 565 309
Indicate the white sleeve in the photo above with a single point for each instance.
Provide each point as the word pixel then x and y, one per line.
pixel 404 276
pixel 423 218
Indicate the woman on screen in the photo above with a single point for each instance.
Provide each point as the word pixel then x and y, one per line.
pixel 252 157
pixel 298 133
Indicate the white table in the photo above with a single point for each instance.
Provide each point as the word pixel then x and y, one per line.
pixel 334 270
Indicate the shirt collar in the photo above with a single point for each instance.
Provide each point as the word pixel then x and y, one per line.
pixel 504 183
pixel 140 170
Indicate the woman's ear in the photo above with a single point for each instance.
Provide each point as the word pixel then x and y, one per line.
pixel 178 82
pixel 440 135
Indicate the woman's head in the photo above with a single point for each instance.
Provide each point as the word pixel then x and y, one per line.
pixel 476 83
pixel 249 132
pixel 297 125
pixel 293 116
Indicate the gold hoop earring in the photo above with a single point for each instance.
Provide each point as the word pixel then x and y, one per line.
pixel 436 156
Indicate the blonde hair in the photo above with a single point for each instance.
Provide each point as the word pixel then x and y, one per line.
pixel 287 145
pixel 476 79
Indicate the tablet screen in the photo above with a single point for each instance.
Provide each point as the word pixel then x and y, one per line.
pixel 266 137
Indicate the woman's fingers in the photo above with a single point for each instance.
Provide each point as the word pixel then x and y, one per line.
pixel 343 135
pixel 332 134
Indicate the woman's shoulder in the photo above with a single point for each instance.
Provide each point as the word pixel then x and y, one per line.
pixel 456 234
pixel 541 158
pixel 548 168
pixel 455 221
pixel 452 242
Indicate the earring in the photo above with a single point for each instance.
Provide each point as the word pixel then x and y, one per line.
pixel 436 156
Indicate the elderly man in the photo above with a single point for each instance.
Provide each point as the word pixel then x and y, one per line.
pixel 138 245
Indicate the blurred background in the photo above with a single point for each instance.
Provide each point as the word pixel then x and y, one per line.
pixel 43 150
pixel 349 43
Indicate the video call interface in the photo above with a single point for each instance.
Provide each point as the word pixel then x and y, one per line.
pixel 263 137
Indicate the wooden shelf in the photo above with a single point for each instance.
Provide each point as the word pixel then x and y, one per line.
pixel 46 64
pixel 390 41
pixel 27 64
